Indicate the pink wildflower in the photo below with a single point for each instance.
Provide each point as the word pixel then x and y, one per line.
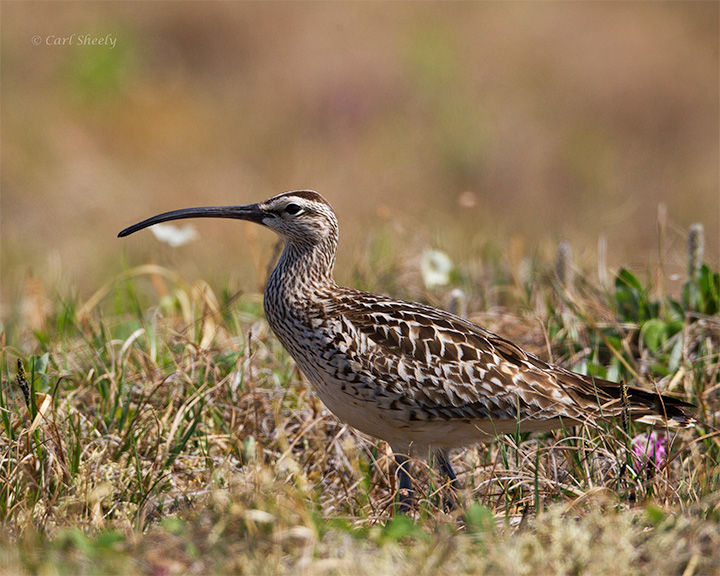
pixel 650 451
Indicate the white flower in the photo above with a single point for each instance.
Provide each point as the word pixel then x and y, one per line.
pixel 435 267
pixel 174 235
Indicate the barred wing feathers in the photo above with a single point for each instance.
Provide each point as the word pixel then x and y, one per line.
pixel 442 367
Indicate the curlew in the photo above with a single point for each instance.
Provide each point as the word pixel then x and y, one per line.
pixel 420 378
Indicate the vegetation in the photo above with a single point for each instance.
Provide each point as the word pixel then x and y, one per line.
pixel 159 428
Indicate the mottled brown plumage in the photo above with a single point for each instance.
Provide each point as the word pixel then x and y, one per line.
pixel 418 377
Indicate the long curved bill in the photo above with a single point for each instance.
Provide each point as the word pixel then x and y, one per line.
pixel 250 212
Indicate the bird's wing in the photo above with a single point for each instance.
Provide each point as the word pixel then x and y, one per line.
pixel 450 369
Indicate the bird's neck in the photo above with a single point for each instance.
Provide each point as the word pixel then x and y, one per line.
pixel 303 274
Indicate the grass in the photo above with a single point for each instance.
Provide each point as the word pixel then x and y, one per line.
pixel 170 433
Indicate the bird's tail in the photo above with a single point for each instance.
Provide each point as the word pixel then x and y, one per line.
pixel 649 407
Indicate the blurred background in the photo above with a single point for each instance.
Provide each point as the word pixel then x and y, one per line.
pixel 458 126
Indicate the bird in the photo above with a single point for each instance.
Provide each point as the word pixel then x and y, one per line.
pixel 422 379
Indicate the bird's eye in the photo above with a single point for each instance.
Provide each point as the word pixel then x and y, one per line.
pixel 292 209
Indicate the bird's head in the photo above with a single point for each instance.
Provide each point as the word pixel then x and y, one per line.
pixel 301 217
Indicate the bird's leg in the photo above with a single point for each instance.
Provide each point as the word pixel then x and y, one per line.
pixel 405 489
pixel 443 463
